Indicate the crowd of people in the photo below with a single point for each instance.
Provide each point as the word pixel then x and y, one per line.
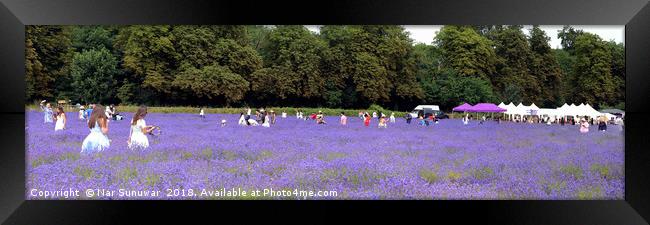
pixel 262 116
pixel 583 122
pixel 98 117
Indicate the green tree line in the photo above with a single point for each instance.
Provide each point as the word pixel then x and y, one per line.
pixel 340 67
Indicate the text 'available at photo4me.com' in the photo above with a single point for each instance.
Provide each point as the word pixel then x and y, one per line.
pixel 178 193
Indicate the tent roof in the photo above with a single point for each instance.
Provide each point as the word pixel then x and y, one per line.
pixel 613 111
pixel 486 107
pixel 462 108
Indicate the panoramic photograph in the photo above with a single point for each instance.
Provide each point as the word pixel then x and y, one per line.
pixel 324 112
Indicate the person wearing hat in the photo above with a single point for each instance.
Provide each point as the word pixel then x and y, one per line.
pixel 81 112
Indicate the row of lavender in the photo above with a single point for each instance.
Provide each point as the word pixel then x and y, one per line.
pixel 448 160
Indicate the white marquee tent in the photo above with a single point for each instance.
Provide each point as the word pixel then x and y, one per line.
pixel 577 111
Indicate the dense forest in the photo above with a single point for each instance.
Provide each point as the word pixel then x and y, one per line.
pixel 339 67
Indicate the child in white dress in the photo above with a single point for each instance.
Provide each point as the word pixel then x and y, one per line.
pixel 138 138
pixel 60 119
pixel 392 117
pixel 97 140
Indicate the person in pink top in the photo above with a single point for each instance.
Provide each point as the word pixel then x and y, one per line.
pixel 344 119
pixel 584 126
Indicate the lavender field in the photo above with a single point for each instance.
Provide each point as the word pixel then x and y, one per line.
pixel 405 161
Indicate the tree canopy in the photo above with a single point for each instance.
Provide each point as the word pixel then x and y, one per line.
pixel 352 66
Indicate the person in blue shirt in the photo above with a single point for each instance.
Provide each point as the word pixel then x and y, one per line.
pixel 89 111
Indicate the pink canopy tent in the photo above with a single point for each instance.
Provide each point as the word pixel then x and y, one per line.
pixel 486 107
pixel 463 108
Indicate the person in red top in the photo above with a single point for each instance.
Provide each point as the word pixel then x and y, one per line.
pixel 366 120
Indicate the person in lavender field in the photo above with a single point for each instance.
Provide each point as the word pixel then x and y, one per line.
pixel 382 122
pixel 584 125
pixel 82 114
pixel 320 118
pixel 48 116
pixel 97 140
pixel 138 138
pixel 602 123
pixel 366 119
pixel 242 119
pixel 266 122
pixel 422 121
pixel 408 118
pixel 60 119
pixel 89 110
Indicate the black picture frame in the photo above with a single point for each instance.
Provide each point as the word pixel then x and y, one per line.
pixel 634 14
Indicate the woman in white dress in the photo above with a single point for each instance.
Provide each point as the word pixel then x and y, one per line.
pixel 392 117
pixel 267 121
pixel 242 119
pixel 97 140
pixel 138 138
pixel 60 119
